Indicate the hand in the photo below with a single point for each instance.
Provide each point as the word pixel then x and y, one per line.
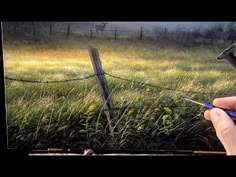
pixel 223 124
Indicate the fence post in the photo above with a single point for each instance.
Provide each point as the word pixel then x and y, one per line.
pixel 50 32
pixel 34 32
pixel 91 33
pixel 115 32
pixel 165 33
pixel 8 28
pixel 141 33
pixel 15 28
pixel 68 31
pixel 102 83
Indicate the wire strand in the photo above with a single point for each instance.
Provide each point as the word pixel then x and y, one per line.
pixel 160 87
pixel 38 81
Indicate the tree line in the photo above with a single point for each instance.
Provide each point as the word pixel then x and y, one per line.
pixel 217 34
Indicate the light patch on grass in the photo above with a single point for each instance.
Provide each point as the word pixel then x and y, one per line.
pixel 46 101
pixel 139 74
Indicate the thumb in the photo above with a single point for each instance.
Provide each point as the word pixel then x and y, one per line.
pixel 225 129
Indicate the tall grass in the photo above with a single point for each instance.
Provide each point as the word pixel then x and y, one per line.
pixel 70 114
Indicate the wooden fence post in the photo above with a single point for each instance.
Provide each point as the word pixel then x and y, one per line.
pixel 102 83
pixel 115 32
pixel 15 28
pixel 141 33
pixel 50 32
pixel 91 33
pixel 34 31
pixel 68 31
pixel 165 33
pixel 8 28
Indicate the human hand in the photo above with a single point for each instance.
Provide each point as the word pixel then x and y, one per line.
pixel 223 124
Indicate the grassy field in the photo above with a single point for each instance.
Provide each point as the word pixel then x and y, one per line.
pixel 70 114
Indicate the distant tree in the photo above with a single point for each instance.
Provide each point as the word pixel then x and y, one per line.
pixel 214 33
pixel 197 35
pixel 210 35
pixel 10 26
pixel 158 31
pixel 165 33
pixel 183 37
pixel 219 32
pixel 231 32
pixel 162 33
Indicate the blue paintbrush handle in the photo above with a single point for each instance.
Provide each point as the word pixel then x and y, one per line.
pixel 229 112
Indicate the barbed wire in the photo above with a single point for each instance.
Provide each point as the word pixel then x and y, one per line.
pixel 166 88
pixel 53 81
pixel 120 78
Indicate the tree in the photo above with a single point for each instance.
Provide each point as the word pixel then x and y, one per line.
pixel 197 35
pixel 214 33
pixel 158 31
pixel 231 32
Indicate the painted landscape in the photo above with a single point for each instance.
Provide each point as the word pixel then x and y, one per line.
pixel 54 100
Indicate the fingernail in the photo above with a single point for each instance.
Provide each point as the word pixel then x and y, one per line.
pixel 216 113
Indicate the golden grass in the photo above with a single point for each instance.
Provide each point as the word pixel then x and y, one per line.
pixel 182 69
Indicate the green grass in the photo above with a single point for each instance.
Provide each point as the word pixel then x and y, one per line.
pixel 70 114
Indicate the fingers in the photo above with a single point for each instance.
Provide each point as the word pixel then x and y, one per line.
pixel 207 115
pixel 225 129
pixel 226 102
pixel 223 124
